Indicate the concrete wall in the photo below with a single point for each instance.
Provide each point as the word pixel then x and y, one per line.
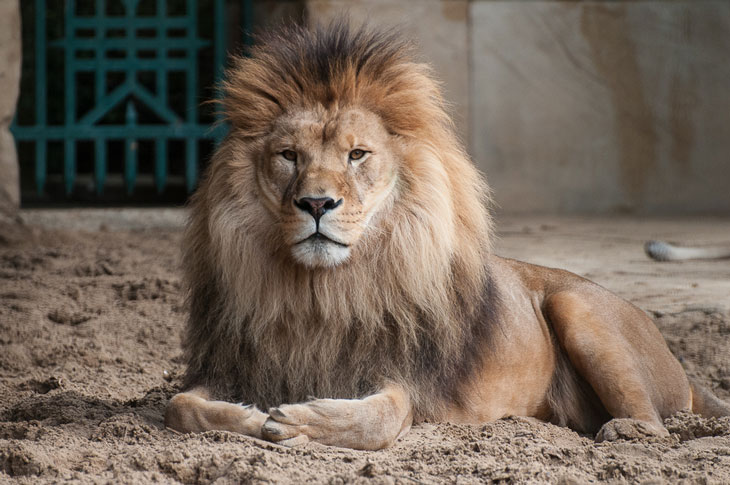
pixel 593 106
pixel 603 106
pixel 9 86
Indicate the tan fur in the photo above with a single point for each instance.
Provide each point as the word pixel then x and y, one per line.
pixel 408 316
pixel 425 245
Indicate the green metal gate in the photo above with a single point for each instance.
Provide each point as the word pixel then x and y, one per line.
pixel 115 84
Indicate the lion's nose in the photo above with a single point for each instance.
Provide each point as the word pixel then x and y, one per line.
pixel 317 206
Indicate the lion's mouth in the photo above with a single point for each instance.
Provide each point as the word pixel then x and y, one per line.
pixel 319 237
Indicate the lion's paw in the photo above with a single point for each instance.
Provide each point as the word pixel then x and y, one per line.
pixel 629 429
pixel 287 425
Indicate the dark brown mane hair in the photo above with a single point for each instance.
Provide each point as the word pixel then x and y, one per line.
pixel 414 304
pixel 332 65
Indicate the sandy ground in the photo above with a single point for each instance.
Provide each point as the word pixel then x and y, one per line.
pixel 89 353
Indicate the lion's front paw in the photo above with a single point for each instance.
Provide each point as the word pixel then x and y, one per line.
pixel 287 425
pixel 189 412
pixel 363 424
pixel 629 429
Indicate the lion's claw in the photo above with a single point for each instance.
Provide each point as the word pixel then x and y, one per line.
pixel 629 429
pixel 296 441
pixel 276 431
pixel 277 413
pixel 288 427
pixel 271 428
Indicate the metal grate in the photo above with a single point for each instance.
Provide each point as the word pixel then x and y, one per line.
pixel 129 72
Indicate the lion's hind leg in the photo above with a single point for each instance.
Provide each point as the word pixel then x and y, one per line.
pixel 192 411
pixel 706 404
pixel 365 424
pixel 617 349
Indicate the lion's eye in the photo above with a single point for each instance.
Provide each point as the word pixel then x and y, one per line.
pixel 357 154
pixel 290 155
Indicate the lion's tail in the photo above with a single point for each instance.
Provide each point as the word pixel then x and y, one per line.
pixel 706 404
pixel 663 251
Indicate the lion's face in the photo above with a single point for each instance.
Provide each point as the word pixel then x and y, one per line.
pixel 323 176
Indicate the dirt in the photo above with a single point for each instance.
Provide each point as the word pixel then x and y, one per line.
pixel 90 325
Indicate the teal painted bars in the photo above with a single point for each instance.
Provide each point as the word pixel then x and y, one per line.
pixel 124 41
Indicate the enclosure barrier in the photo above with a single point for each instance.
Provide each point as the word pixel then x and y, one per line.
pixel 129 71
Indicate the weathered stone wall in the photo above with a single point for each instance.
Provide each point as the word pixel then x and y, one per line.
pixel 595 106
pixel 269 13
pixel 10 53
pixel 603 106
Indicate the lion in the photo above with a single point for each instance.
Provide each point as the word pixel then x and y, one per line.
pixel 341 281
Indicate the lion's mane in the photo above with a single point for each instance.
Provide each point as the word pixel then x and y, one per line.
pixel 413 304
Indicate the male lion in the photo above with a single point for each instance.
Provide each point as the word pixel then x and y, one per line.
pixel 340 275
